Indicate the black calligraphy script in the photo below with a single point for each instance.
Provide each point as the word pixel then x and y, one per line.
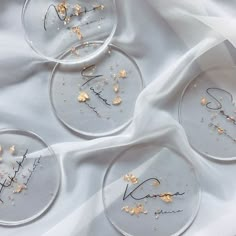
pixel 6 184
pixel 216 104
pixel 63 17
pixel 99 95
pixel 133 193
pixel 88 76
pixel 20 165
pixel 162 212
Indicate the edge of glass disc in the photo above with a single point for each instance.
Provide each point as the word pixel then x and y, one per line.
pixel 211 157
pixel 58 58
pixel 50 204
pixel 188 223
pixel 90 134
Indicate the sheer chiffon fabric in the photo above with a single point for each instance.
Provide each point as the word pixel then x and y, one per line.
pixel 172 42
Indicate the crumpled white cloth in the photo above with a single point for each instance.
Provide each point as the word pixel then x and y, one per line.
pixel 172 41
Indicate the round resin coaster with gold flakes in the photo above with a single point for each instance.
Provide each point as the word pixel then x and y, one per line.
pixel 148 193
pixel 29 177
pixel 207 111
pixel 54 26
pixel 98 97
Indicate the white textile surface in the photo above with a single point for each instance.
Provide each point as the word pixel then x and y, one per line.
pixel 172 41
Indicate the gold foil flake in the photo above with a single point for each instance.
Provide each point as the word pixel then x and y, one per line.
pixel 131 211
pixel 77 31
pixel 12 149
pixel 74 51
pixel 117 101
pixel 123 74
pixel 155 183
pixel 166 197
pixel 99 7
pixel 1 149
pixel 83 97
pixel 131 178
pixel 220 130
pixel 126 178
pixel 62 8
pixel 137 210
pixel 126 209
pixel 204 101
pixel 20 188
pixel 67 20
pixel 116 88
pixel 77 9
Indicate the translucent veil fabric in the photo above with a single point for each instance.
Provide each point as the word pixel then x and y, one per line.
pixel 172 41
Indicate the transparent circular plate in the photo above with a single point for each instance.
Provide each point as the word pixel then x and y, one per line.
pixel 208 114
pixel 29 177
pixel 151 194
pixel 97 98
pixel 54 26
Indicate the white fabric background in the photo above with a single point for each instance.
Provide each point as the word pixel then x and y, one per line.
pixel 172 41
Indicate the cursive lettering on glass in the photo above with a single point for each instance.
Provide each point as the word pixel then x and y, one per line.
pixel 99 95
pixel 65 15
pixel 218 104
pixel 132 193
pixel 6 184
pixel 88 77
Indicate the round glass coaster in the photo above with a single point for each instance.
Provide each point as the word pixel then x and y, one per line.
pixel 151 194
pixel 207 112
pixel 97 98
pixel 29 177
pixel 54 26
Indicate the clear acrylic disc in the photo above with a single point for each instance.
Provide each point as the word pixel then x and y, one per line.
pixel 55 26
pixel 151 194
pixel 29 177
pixel 207 112
pixel 97 98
